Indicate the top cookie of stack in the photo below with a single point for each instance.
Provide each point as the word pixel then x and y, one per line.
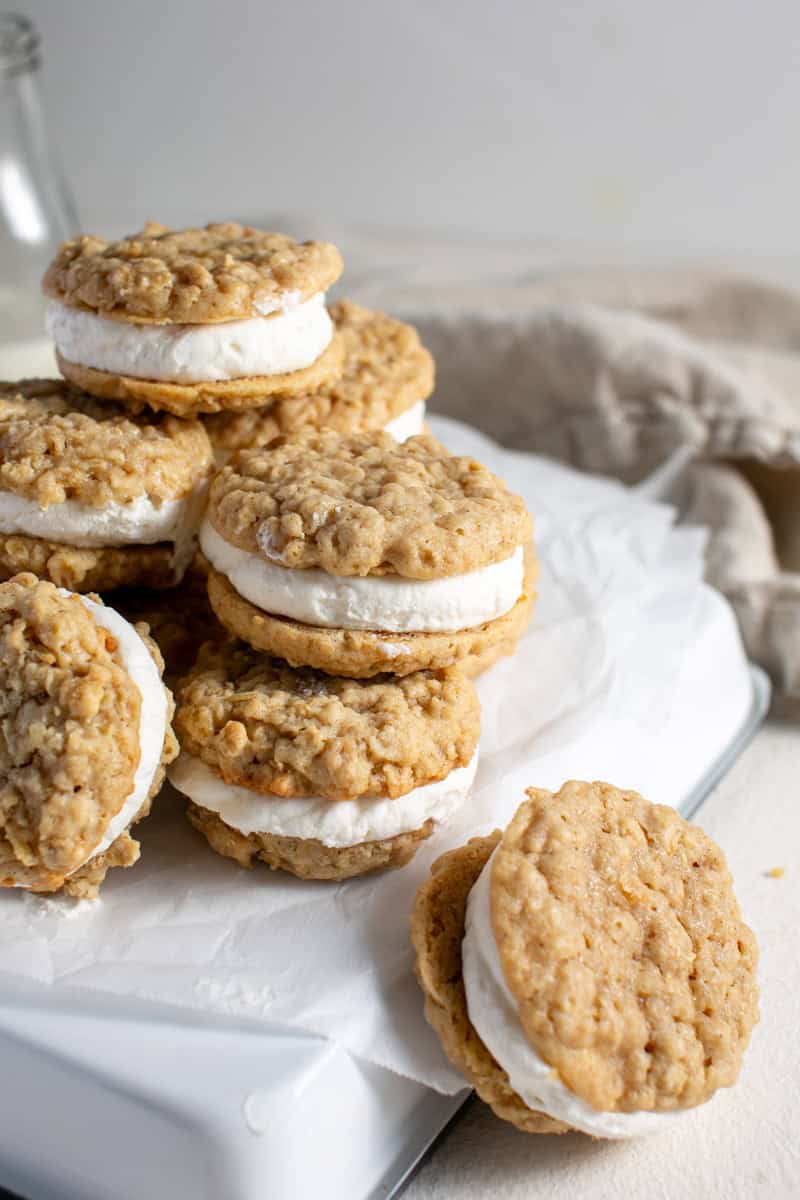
pixel 196 320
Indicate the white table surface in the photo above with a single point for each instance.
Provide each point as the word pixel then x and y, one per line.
pixel 745 1142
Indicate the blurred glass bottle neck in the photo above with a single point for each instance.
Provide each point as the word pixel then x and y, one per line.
pixel 36 212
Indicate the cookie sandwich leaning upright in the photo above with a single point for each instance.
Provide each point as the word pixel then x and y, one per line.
pixel 386 379
pixel 86 736
pixel 194 320
pixel 323 777
pixel 93 497
pixel 357 555
pixel 588 969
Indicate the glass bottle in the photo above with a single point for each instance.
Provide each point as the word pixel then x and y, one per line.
pixel 36 212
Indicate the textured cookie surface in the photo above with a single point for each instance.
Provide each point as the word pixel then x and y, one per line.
pixel 437 931
pixel 306 857
pixel 623 944
pixel 223 272
pixel 359 653
pixel 69 714
pixel 191 399
pixel 262 725
pixel 90 568
pixel 362 504
pixel 57 444
pixel 386 371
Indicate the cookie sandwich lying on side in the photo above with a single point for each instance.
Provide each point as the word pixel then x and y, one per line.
pixel 356 555
pixel 589 969
pixel 194 320
pixel 93 497
pixel 387 377
pixel 325 778
pixel 86 736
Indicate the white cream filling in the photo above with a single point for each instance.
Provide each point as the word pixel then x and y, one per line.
pixel 336 823
pixel 266 345
pixel 138 522
pixel 408 424
pixel 385 603
pixel 138 662
pixel 493 1012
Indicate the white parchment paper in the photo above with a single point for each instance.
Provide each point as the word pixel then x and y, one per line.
pixel 189 928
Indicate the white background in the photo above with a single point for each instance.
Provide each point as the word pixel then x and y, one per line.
pixel 673 127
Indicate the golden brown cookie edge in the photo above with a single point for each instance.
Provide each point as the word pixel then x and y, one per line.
pixel 360 654
pixel 306 858
pixel 194 399
pixel 437 931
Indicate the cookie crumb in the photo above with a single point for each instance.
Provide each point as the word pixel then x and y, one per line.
pixel 775 873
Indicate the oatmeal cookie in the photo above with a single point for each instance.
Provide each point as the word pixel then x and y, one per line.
pixel 307 858
pixel 90 568
pixel 71 714
pixel 223 272
pixel 386 371
pixel 437 930
pixel 58 443
pixel 261 725
pixel 362 504
pixel 597 894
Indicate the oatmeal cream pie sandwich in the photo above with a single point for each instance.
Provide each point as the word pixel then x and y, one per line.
pixel 194 320
pixel 589 969
pixel 91 496
pixel 357 555
pixel 387 377
pixel 323 777
pixel 86 735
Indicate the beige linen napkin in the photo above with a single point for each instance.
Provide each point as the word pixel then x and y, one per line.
pixel 615 372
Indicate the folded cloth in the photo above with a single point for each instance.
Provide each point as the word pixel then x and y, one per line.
pixel 708 364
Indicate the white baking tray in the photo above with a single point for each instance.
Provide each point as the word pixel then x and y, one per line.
pixel 110 1099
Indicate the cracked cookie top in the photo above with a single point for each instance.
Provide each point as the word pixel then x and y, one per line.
pixel 362 504
pixel 262 725
pixel 222 272
pixel 57 444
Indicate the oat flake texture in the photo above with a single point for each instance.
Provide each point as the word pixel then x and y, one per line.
pixel 362 504
pixel 69 715
pixel 58 443
pixel 262 725
pixel 622 941
pixel 188 276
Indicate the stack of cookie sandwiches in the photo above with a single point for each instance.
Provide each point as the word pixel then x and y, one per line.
pixel 365 580
pixel 353 574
